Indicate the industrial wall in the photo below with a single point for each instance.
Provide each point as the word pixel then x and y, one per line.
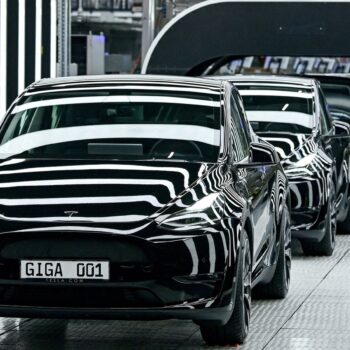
pixel 220 28
pixel 27 45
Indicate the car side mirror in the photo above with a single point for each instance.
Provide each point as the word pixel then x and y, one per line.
pixel 263 153
pixel 341 128
pixel 341 131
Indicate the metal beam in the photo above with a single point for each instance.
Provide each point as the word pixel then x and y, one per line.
pixel 148 24
pixel 21 45
pixel 53 32
pixel 3 56
pixel 64 37
pixel 38 39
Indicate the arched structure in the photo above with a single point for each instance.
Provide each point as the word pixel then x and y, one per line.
pixel 221 28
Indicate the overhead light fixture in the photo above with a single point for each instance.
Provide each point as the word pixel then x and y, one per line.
pixel 21 45
pixel 53 39
pixel 3 53
pixel 285 106
pixel 38 39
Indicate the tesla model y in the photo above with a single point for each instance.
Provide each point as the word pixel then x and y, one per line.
pixel 139 197
pixel 291 113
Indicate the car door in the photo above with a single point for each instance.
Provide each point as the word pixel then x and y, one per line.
pixel 254 182
pixel 333 146
pixel 342 130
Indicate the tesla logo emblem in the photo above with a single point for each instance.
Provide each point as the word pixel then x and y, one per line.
pixel 70 213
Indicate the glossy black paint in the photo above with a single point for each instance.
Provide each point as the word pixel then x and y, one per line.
pixel 124 211
pixel 336 88
pixel 327 145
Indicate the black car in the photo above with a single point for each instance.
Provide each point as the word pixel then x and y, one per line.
pixel 336 88
pixel 140 197
pixel 291 114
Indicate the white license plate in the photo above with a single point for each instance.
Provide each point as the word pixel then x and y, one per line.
pixel 43 269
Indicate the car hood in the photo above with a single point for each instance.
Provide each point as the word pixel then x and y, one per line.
pixel 41 193
pixel 289 145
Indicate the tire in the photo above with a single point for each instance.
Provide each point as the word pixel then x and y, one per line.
pixel 327 244
pixel 344 226
pixel 236 329
pixel 278 287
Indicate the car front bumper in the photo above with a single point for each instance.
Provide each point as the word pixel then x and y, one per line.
pixel 215 314
pixel 175 279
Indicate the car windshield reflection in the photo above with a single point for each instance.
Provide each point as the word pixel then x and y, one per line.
pixel 123 126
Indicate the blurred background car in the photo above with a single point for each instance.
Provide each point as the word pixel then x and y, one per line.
pixel 291 113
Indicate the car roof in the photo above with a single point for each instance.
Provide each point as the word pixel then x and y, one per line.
pixel 139 79
pixel 336 78
pixel 328 75
pixel 285 79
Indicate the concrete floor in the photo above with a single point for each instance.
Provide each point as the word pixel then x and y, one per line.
pixel 315 315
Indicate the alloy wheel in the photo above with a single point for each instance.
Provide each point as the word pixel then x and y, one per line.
pixel 247 283
pixel 287 248
pixel 333 218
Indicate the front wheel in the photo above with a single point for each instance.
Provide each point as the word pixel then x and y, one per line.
pixel 278 287
pixel 344 226
pixel 236 329
pixel 327 244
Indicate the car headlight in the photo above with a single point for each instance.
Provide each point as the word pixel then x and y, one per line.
pixel 204 213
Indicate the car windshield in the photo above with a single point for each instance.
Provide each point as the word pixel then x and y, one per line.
pixel 278 109
pixel 119 124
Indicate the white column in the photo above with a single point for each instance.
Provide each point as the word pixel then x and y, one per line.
pixel 53 39
pixel 3 53
pixel 21 45
pixel 64 37
pixel 148 21
pixel 38 39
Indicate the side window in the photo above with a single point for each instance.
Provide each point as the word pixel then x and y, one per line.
pixel 326 123
pixel 240 142
pixel 324 129
pixel 246 125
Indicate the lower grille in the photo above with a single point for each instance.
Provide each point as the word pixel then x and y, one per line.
pixel 84 297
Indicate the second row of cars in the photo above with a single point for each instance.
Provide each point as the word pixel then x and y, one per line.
pixel 292 114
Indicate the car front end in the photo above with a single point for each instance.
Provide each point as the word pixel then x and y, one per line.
pixel 106 213
pixel 171 263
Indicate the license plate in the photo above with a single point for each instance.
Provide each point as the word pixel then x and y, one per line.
pixel 43 269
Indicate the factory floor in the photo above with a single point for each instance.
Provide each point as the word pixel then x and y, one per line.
pixel 315 315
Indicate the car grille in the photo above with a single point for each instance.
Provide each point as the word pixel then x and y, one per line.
pixel 79 297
